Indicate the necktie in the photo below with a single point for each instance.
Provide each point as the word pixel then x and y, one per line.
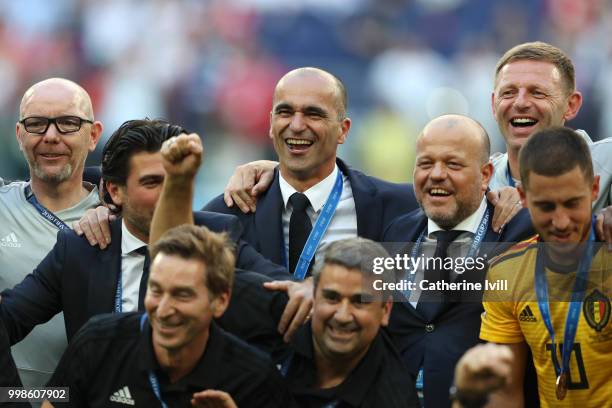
pixel 299 228
pixel 432 302
pixel 142 291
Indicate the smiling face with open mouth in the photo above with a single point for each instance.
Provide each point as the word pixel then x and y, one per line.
pixel 529 96
pixel 347 314
pixel 179 304
pixel 452 171
pixel 307 124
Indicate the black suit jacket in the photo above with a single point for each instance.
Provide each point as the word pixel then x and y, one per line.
pixel 377 203
pixel 81 280
pixel 438 345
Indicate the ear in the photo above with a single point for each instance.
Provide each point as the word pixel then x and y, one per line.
pixel 219 304
pixel 493 103
pixel 18 135
pixel 387 306
pixel 574 102
pixel 595 188
pixel 487 172
pixel 270 134
pixel 116 192
pixel 94 136
pixel 521 190
pixel 345 126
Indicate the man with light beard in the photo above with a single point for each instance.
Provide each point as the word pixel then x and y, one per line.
pixel 451 177
pixel 55 131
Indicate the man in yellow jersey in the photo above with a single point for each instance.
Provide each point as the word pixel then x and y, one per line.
pixel 559 282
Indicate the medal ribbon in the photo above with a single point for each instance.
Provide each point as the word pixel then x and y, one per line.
pixel 573 314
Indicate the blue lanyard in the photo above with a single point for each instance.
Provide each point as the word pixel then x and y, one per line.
pixel 573 314
pixel 152 377
pixel 511 182
pixel 119 293
pixel 312 243
pixel 48 215
pixel 476 242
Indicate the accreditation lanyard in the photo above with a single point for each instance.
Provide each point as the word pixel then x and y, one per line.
pixel 46 214
pixel 152 377
pixel 476 242
pixel 312 243
pixel 573 314
pixel 119 293
pixel 511 182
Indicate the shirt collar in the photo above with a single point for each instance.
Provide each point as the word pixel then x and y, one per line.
pixel 317 194
pixel 201 375
pixel 356 385
pixel 470 224
pixel 129 243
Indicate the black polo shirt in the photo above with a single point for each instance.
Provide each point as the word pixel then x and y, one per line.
pixel 379 380
pixel 108 362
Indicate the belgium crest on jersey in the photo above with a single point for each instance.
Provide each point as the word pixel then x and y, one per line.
pixel 596 309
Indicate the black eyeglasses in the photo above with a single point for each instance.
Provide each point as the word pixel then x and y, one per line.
pixel 63 124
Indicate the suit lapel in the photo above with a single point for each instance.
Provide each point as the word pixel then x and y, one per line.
pixel 268 222
pixel 103 274
pixel 368 226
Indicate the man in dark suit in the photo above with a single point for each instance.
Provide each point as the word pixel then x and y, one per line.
pixel 451 176
pixel 82 280
pixel 307 123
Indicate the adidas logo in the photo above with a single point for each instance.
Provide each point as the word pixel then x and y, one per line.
pixel 122 396
pixel 527 315
pixel 10 241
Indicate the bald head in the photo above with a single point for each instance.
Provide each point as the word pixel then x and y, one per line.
pixel 452 170
pixel 340 95
pixel 72 93
pixel 471 130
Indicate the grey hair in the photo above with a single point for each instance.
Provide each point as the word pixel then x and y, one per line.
pixel 356 254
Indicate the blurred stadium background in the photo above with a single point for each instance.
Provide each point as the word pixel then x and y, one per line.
pixel 210 65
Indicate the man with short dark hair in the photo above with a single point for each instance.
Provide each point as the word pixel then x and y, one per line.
pixel 558 299
pixel 175 350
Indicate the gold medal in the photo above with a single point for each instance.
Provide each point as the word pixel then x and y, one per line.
pixel 561 388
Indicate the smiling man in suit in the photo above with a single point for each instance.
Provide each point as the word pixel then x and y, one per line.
pixel 308 122
pixel 451 178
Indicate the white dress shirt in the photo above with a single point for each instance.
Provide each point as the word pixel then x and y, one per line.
pixel 132 264
pixel 344 222
pixel 468 225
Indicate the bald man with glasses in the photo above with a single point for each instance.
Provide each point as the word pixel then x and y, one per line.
pixel 55 131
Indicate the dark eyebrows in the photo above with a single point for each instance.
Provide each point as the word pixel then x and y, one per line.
pixel 151 177
pixel 282 106
pixel 315 110
pixel 308 110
